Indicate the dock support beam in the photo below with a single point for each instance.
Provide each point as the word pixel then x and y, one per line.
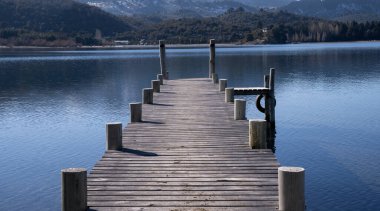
pixel 258 134
pixel 291 188
pixel 114 134
pixel 160 78
pixel 239 111
pixel 74 189
pixel 215 78
pixel 147 96
pixel 229 95
pixel 212 58
pixel 135 112
pixel 163 59
pixel 222 84
pixel 156 85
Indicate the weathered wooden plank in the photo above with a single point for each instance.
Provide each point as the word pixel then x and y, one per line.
pixel 184 203
pixel 182 209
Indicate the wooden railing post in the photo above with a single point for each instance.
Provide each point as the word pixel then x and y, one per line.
pixel 147 96
pixel 222 85
pixel 114 134
pixel 156 85
pixel 270 103
pixel 269 106
pixel 291 188
pixel 258 134
pixel 229 95
pixel 212 58
pixel 239 111
pixel 135 112
pixel 74 189
pixel 163 59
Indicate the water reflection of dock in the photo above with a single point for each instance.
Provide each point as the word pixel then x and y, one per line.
pixel 189 146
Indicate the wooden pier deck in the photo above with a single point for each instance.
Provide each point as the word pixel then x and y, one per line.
pixel 188 154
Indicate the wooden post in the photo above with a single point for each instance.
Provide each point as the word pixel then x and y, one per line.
pixel 270 102
pixel 222 84
pixel 229 95
pixel 291 188
pixel 270 99
pixel 114 134
pixel 240 106
pixel 212 58
pixel 147 96
pixel 215 78
pixel 74 189
pixel 156 85
pixel 163 59
pixel 160 78
pixel 266 81
pixel 135 112
pixel 258 134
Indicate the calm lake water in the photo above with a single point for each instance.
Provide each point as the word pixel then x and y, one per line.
pixel 54 106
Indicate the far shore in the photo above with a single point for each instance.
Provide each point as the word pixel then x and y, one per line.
pixel 175 46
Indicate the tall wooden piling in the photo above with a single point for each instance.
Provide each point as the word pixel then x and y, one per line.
pixel 291 188
pixel 74 189
pixel 114 136
pixel 212 58
pixel 156 85
pixel 163 59
pixel 135 112
pixel 258 134
pixel 270 103
pixel 239 109
pixel 147 96
pixel 229 95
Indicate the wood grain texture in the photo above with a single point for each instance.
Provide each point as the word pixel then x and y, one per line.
pixel 188 153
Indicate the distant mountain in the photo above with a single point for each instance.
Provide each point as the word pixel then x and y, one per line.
pixel 172 8
pixel 65 16
pixel 343 10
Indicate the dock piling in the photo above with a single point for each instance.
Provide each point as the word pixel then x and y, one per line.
pixel 239 109
pixel 222 84
pixel 114 136
pixel 163 59
pixel 147 96
pixel 258 134
pixel 74 189
pixel 156 85
pixel 291 188
pixel 229 95
pixel 136 112
pixel 212 58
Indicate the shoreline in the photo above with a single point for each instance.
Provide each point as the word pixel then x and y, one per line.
pixel 172 46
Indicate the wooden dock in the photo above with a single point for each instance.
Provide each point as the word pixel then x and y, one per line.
pixel 187 154
pixel 188 146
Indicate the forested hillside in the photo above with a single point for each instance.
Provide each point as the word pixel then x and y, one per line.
pixel 68 23
pixel 29 20
pixel 237 25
